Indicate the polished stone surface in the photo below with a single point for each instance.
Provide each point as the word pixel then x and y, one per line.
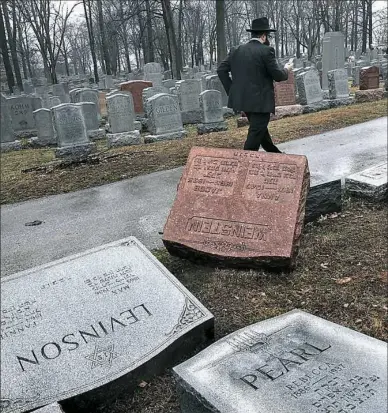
pixel 293 363
pixel 107 316
pixel 139 206
pixel 239 208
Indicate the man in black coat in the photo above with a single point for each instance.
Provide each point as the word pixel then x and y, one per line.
pixel 254 68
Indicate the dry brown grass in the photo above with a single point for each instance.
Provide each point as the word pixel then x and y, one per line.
pixel 116 164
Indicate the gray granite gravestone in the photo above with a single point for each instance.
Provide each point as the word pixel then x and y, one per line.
pixel 74 95
pixel 7 137
pixel 54 101
pixel 309 89
pixel 90 113
pixel 188 96
pixel 356 76
pixel 213 82
pixel 89 95
pixel 293 363
pixel 70 128
pixel 370 183
pixel 212 113
pixel 338 84
pixel 87 327
pixel 164 118
pixel 153 73
pixel 108 82
pixel 121 117
pixel 148 92
pixel 333 55
pixel 45 128
pixel 59 90
pixel 21 108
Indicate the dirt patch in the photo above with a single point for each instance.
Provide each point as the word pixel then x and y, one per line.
pixel 341 276
pixel 43 177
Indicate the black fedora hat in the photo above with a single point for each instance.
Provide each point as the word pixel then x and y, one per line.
pixel 260 25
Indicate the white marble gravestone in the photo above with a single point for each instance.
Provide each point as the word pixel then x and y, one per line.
pixel 164 118
pixel 370 183
pixel 153 73
pixel 188 95
pixel 212 113
pixel 45 128
pixel 90 323
pixel 293 363
pixel 338 84
pixel 309 88
pixel 72 139
pixel 333 55
pixel 121 117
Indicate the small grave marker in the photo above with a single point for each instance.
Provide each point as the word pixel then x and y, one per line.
pixel 369 78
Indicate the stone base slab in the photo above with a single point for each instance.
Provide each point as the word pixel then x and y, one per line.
pixel 285 111
pixel 124 139
pixel 370 95
pixel 96 134
pixel 76 152
pixel 370 183
pixel 241 122
pixel 37 142
pixel 25 134
pixel 228 112
pixel 316 107
pixel 334 103
pixel 11 146
pixel 203 128
pixel 165 137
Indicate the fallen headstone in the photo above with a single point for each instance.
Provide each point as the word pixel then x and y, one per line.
pixel 239 208
pixel 83 329
pixel 370 183
pixel 293 363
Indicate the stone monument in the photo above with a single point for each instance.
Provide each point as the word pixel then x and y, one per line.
pixel 86 328
pixel 293 363
pixel 239 208
pixel 369 78
pixel 211 112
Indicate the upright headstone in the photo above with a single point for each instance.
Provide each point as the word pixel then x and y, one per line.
pixel 88 95
pixel 92 123
pixel 338 84
pixel 333 54
pixel 152 91
pixel 108 82
pixel 27 88
pixel 88 327
pixel 135 87
pixel 212 113
pixel 293 363
pixel 7 136
pixel 169 83
pixel 239 208
pixel 59 90
pixel 356 76
pixel 153 73
pixel 369 78
pixel 285 91
pixel 70 128
pixel 45 127
pixel 213 82
pixel 21 108
pixel 309 88
pixel 164 118
pixel 102 103
pixel 54 101
pixel 121 117
pixel 188 96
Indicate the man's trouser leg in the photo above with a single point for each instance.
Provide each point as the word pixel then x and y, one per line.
pixel 268 145
pixel 258 123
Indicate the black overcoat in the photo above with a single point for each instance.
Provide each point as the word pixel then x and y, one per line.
pixel 254 68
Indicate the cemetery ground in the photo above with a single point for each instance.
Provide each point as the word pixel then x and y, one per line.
pixel 33 173
pixel 341 275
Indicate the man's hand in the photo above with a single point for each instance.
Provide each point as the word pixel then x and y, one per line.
pixel 289 66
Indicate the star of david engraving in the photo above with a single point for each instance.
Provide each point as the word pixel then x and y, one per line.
pixel 102 356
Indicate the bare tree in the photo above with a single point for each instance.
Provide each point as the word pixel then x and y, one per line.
pixel 220 29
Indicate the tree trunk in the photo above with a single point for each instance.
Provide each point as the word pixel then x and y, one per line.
pixel 220 29
pixel 176 56
pixel 22 54
pixel 12 46
pixel 370 18
pixel 4 52
pixel 356 25
pixel 150 40
pixel 104 44
pixel 89 23
pixel 364 26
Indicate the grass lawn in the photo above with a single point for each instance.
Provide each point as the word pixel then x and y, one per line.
pixel 341 275
pixel 30 173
